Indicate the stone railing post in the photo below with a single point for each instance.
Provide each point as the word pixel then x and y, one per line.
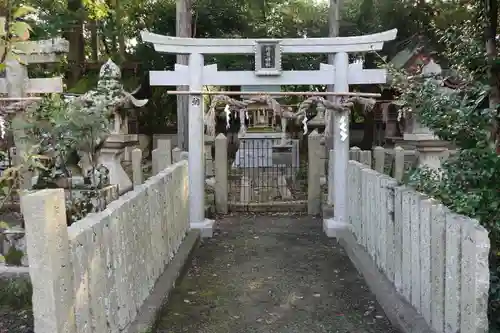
pixel 331 178
pixel 184 156
pixel 475 273
pixel 221 183
pixel 365 157
pixel 165 147
pixel 354 154
pixel 155 161
pixel 50 265
pixel 399 163
pixel 379 159
pixel 209 162
pixel 161 156
pixel 314 173
pixel 323 155
pixel 176 154
pixel 137 176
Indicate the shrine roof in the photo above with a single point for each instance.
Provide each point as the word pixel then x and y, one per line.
pixel 414 51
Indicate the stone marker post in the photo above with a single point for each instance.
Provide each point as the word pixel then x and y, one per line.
pixel 221 182
pixel 50 265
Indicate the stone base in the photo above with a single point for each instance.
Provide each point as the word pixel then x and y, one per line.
pixel 14 272
pixel 327 210
pixel 206 228
pixel 110 158
pixel 419 143
pixel 419 137
pixel 334 229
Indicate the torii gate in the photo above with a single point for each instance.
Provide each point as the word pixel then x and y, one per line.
pixel 267 72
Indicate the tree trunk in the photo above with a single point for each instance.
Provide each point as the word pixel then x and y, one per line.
pixel 183 29
pixel 4 8
pixel 5 12
pixel 76 54
pixel 491 15
pixel 94 40
pixel 368 131
pixel 119 28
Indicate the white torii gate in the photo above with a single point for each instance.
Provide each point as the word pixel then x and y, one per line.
pixel 267 72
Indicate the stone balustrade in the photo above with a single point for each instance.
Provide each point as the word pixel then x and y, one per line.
pixel 436 260
pixel 394 162
pixel 95 275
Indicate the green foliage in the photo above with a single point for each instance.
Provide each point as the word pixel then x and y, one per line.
pixel 15 293
pixel 14 256
pixel 84 84
pixel 61 128
pixel 96 10
pixel 467 182
pixel 79 207
pixel 12 177
pixel 16 30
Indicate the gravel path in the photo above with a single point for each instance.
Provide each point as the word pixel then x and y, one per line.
pixel 272 274
pixel 15 320
pixel 16 315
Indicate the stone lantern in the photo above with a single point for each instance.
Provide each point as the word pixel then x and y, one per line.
pixel 431 150
pixel 119 102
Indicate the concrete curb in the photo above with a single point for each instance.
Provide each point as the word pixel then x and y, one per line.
pixel 401 314
pixel 146 319
pixel 14 272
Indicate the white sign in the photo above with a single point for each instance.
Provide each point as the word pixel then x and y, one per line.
pixel 343 128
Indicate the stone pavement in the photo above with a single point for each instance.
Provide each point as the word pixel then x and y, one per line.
pixel 272 274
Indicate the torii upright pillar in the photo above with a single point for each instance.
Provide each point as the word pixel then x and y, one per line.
pixel 337 180
pixel 196 144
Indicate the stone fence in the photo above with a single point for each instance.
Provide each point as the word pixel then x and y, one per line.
pixel 436 260
pixel 394 162
pixel 95 275
pixel 161 157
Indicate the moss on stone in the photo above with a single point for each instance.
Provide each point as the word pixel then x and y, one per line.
pixel 14 257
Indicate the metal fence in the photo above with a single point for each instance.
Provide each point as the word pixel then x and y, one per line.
pixel 263 172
